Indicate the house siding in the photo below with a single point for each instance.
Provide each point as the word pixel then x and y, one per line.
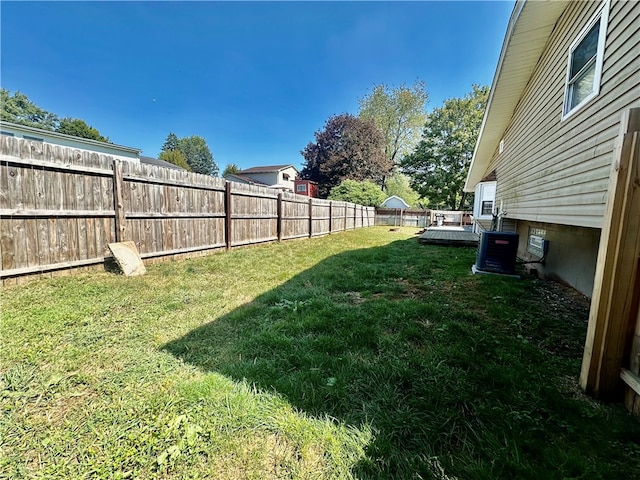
pixel 554 170
pixel 274 178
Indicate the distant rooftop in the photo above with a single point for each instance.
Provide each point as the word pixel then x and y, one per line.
pixel 266 169
pixel 159 163
pixel 236 177
pixel 11 128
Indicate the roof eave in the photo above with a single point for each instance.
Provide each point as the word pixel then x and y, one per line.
pixel 87 141
pixel 275 169
pixel 527 35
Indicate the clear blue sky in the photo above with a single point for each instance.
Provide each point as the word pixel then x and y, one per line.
pixel 255 79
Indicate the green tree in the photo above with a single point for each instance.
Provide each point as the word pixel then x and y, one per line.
pixel 176 157
pixel 399 112
pixel 17 108
pixel 230 169
pixel 439 164
pixel 363 193
pixel 399 184
pixel 171 143
pixel 79 128
pixel 348 147
pixel 198 155
pixel 195 151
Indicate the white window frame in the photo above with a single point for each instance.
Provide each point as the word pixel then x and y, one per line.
pixel 602 16
pixel 482 195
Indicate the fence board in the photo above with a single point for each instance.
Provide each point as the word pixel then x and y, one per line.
pixel 253 214
pixel 7 245
pixel 295 216
pixel 321 210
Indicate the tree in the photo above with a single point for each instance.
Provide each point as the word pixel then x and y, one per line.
pixel 439 165
pixel 399 113
pixel 17 108
pixel 171 143
pixel 176 157
pixel 347 148
pixel 195 151
pixel 399 184
pixel 198 155
pixel 363 193
pixel 79 128
pixel 230 169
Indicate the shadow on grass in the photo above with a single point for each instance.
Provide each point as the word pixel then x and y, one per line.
pixel 450 370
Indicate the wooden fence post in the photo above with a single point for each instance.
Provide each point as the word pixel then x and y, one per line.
pixel 227 214
pixel 279 227
pixel 118 202
pixel 310 217
pixel 330 216
pixel 614 304
pixel 355 216
pixel 345 216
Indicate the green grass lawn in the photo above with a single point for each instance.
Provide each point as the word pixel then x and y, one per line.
pixel 358 355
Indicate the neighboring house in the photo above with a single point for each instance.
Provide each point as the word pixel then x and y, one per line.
pixel 308 188
pixel 159 163
pixel 483 204
pixel 235 177
pixel 118 152
pixel 281 177
pixel 396 202
pixel 566 73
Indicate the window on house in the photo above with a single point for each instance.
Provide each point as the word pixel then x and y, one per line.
pixel 285 176
pixel 35 139
pixel 301 188
pixel 585 63
pixel 487 207
pixel 8 134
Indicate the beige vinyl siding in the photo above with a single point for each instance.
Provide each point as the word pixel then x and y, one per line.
pixel 484 225
pixel 557 171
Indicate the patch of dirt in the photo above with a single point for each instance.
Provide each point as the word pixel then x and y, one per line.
pixel 563 318
pixel 409 289
pixel 563 300
pixel 354 298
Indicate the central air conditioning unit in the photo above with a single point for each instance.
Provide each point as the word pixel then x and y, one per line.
pixel 497 253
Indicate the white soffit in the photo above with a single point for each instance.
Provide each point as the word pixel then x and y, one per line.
pixel 528 32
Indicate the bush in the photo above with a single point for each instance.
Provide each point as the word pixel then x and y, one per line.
pixel 363 193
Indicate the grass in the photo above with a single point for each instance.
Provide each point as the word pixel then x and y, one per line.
pixel 359 355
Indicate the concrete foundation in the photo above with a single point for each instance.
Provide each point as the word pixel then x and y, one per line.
pixel 571 257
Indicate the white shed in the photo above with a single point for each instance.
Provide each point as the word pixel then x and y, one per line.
pixel 395 201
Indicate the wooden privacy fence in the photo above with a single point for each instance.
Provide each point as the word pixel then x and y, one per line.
pixel 421 218
pixel 61 207
pixel 403 218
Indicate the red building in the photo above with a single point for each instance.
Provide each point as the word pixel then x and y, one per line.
pixel 308 188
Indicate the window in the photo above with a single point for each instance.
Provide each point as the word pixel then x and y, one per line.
pixel 487 207
pixel 301 188
pixel 585 63
pixel 285 176
pixel 8 134
pixel 536 242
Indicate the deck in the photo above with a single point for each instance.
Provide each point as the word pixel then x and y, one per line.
pixel 449 236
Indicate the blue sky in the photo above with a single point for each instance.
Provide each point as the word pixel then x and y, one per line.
pixel 255 79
